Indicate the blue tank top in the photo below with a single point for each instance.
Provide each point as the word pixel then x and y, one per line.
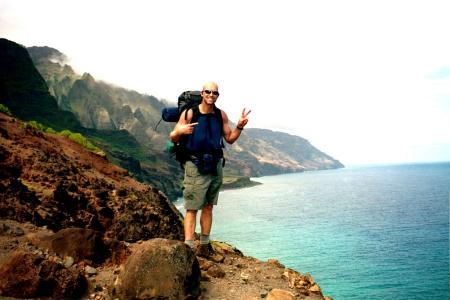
pixel 207 134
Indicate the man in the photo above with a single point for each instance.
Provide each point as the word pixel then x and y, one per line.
pixel 203 169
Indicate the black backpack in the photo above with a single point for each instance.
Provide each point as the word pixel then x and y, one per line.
pixel 186 100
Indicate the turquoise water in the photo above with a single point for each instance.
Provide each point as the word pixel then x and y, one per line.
pixel 379 232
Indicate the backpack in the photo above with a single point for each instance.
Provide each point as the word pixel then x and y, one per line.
pixel 187 100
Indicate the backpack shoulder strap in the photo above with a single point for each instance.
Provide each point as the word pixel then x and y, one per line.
pixel 218 114
pixel 195 113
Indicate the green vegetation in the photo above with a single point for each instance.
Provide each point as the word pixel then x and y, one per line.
pixel 77 137
pixel 117 141
pixel 80 139
pixel 35 125
pixel 50 130
pixel 4 109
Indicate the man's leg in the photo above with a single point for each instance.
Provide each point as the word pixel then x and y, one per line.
pixel 189 227
pixel 206 223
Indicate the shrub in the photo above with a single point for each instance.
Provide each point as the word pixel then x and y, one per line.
pixel 66 133
pixel 50 130
pixel 4 109
pixel 36 125
pixel 80 139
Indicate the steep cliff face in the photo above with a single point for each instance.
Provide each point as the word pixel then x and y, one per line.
pixel 25 92
pixel 269 152
pixel 90 104
pixel 100 105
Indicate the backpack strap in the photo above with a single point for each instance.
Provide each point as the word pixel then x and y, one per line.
pixel 218 114
pixel 195 113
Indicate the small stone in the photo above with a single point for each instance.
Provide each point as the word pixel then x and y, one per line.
pixel 217 258
pixel 245 277
pixel 241 266
pixel 278 294
pixel 216 271
pixel 310 279
pixel 98 288
pixel 228 261
pixel 68 261
pixel 205 264
pixel 205 276
pixel 275 262
pixel 90 270
pixel 315 288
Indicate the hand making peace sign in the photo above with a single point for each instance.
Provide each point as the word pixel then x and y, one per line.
pixel 243 120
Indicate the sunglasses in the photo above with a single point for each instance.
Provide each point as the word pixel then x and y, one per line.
pixel 215 93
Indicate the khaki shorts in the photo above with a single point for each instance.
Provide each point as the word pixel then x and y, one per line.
pixel 198 189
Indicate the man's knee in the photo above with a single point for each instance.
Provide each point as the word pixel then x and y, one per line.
pixel 207 208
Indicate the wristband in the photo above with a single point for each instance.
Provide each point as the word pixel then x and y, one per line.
pixel 240 128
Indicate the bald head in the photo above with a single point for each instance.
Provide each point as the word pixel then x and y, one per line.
pixel 212 86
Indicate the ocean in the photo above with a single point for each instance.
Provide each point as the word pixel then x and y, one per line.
pixel 373 232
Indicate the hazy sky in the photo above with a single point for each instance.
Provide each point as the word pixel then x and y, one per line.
pixel 363 81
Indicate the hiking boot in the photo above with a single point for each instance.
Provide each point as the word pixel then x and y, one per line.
pixel 207 251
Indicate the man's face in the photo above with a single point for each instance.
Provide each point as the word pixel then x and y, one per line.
pixel 210 93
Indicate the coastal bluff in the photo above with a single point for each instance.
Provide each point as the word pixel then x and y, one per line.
pixel 75 226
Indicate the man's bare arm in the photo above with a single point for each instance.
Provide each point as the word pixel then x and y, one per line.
pixel 230 136
pixel 182 127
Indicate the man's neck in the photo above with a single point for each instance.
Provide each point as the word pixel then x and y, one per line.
pixel 206 108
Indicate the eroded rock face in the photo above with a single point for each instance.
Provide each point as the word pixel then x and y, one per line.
pixel 160 268
pixel 78 243
pixel 28 275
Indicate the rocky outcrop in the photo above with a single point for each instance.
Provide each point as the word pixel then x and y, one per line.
pixel 160 268
pixel 28 275
pixel 78 243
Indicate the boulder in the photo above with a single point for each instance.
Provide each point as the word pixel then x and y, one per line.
pixel 278 294
pixel 79 243
pixel 28 275
pixel 160 268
